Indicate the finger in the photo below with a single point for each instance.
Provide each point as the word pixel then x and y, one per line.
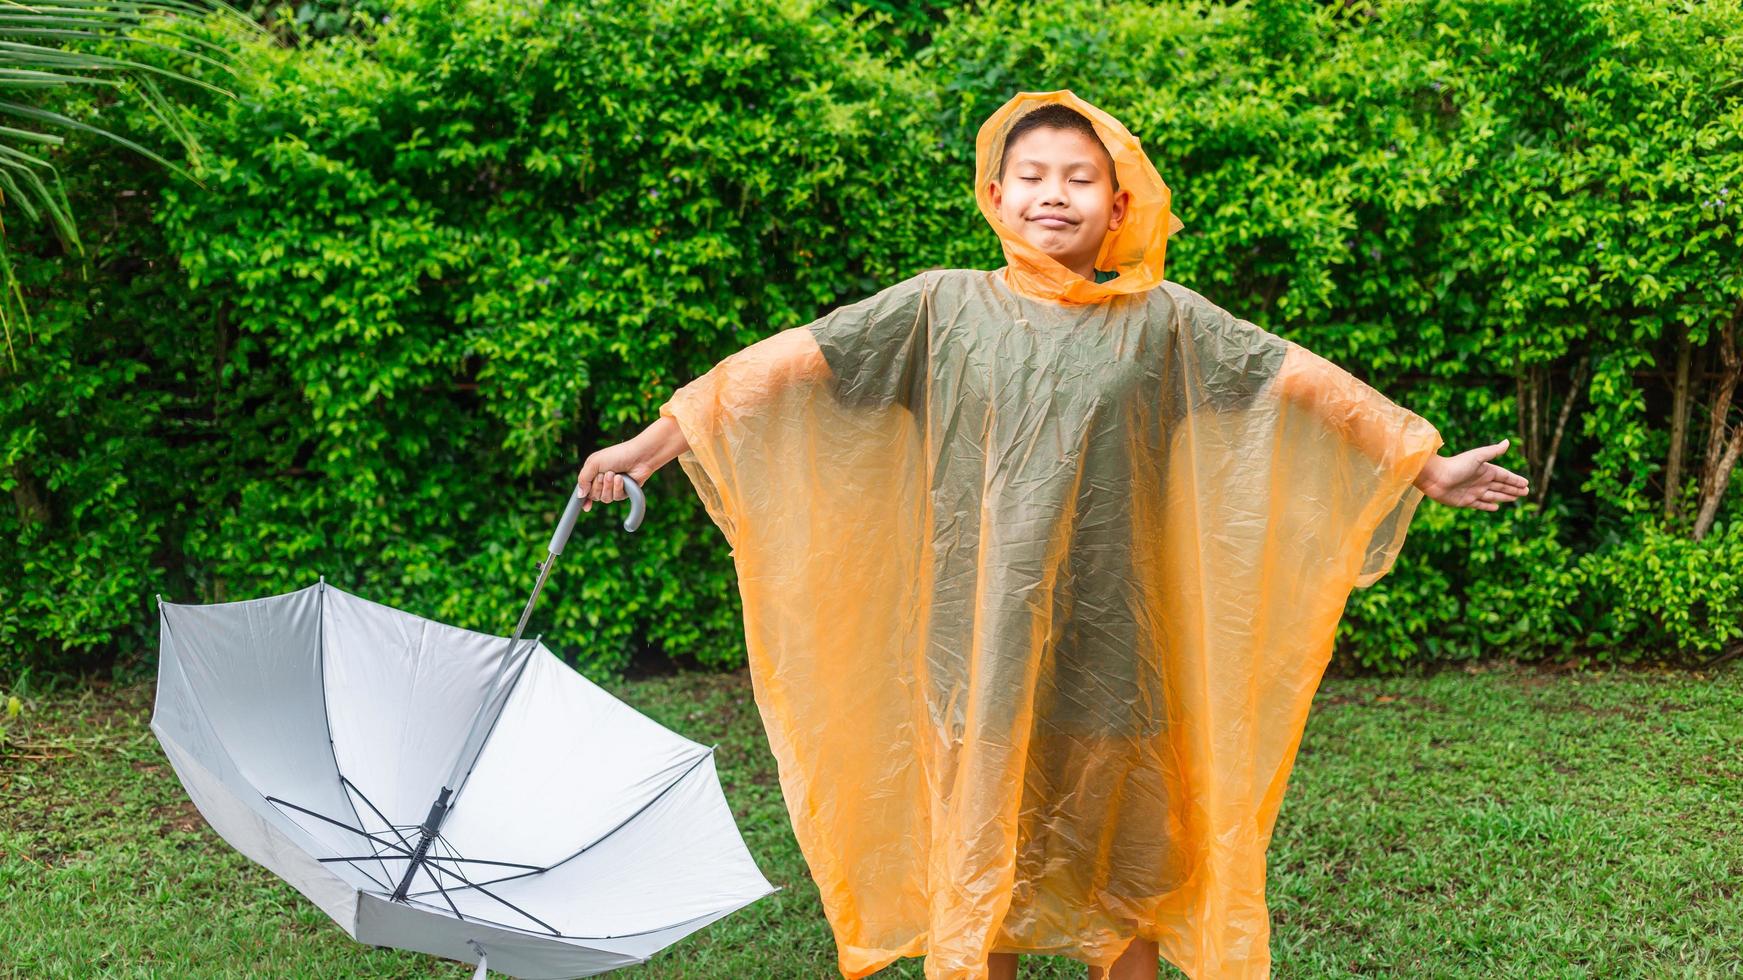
pixel 584 479
pixel 1514 478
pixel 593 480
pixel 1500 475
pixel 602 486
pixel 617 487
pixel 1491 451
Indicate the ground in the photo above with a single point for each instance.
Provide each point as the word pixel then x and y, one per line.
pixel 1491 820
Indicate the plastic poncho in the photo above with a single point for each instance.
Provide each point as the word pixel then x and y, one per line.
pixel 1039 578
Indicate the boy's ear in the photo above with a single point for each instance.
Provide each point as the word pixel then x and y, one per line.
pixel 1117 211
pixel 997 192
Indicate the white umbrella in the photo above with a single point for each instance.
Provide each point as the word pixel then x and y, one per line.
pixel 437 789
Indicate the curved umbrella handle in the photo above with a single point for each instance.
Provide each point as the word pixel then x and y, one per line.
pixel 638 503
pixel 638 506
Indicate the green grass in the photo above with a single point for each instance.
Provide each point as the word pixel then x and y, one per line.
pixel 1493 822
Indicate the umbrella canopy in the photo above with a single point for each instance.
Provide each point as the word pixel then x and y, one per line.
pixel 437 789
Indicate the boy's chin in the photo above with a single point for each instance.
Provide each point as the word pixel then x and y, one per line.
pixel 1058 255
pixel 1049 247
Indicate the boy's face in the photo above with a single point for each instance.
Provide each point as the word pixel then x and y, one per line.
pixel 1058 194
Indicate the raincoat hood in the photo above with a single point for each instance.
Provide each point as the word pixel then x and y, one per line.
pixel 1135 250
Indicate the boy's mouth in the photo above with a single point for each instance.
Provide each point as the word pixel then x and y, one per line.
pixel 1053 221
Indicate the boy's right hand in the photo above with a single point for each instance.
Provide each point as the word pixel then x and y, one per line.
pixel 601 476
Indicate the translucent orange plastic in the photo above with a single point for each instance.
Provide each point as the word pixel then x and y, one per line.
pixel 1039 579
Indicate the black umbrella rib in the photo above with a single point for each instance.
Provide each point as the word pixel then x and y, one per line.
pixel 352 787
pixel 458 914
pixel 485 891
pixel 433 857
pixel 496 881
pixel 500 864
pixel 321 816
pixel 642 809
pixel 534 870
pixel 366 874
pixel 326 710
pixel 377 810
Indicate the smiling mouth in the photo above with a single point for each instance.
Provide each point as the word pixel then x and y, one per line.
pixel 1052 222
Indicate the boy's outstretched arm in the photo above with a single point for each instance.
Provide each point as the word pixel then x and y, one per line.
pixel 739 383
pixel 1465 480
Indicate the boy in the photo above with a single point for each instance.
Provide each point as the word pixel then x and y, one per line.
pixel 1041 567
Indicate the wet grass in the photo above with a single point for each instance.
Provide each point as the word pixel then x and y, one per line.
pixel 1490 821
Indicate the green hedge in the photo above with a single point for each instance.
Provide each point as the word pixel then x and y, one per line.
pixel 428 271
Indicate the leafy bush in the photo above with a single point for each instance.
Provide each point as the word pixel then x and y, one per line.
pixel 432 266
pixel 424 277
pixel 1661 592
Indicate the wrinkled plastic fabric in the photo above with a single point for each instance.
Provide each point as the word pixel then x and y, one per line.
pixel 1037 594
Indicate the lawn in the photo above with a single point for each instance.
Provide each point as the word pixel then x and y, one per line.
pixel 1491 821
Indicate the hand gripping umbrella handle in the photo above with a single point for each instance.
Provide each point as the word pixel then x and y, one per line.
pixel 638 506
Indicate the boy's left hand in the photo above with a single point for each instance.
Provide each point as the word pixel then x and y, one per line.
pixel 1470 480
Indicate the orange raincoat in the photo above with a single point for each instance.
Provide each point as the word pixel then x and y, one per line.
pixel 1039 578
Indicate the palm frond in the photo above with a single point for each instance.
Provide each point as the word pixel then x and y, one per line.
pixel 31 135
pixel 41 47
pixel 166 113
pixel 32 78
pixel 20 52
pixel 32 112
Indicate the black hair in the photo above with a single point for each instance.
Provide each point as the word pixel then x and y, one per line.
pixel 1055 116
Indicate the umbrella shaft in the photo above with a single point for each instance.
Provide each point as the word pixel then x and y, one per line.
pixel 463 765
pixel 439 809
pixel 527 613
